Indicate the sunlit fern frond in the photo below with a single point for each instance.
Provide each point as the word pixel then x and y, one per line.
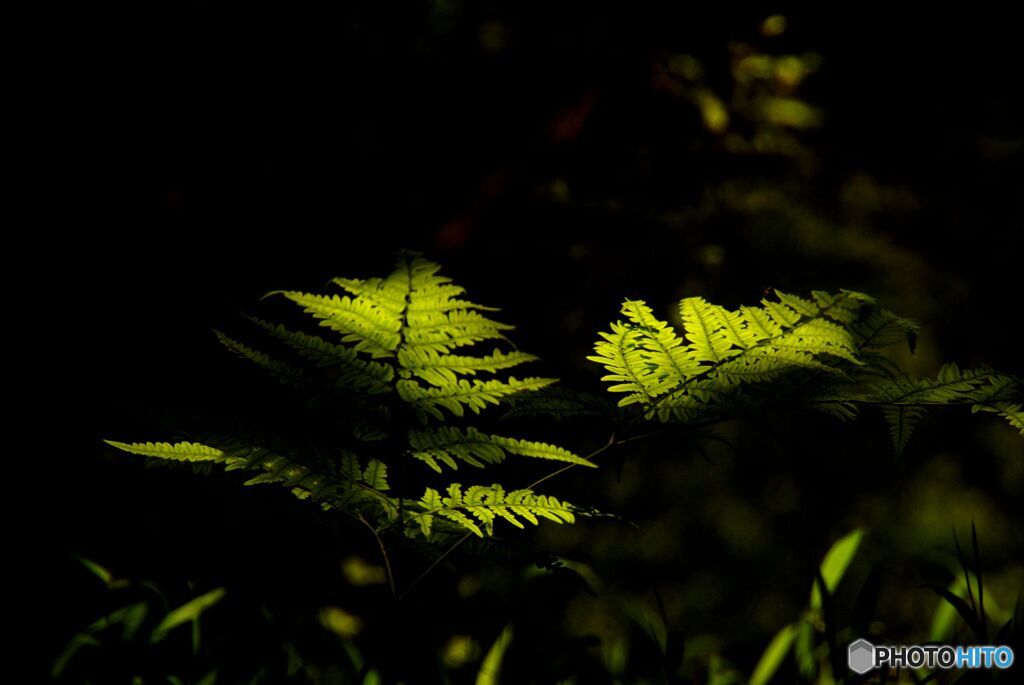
pixel 449 446
pixel 346 484
pixel 719 352
pixel 387 364
pixel 478 507
pixel 905 400
pixel 826 352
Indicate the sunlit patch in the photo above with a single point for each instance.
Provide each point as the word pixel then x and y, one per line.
pixel 687 66
pixel 790 112
pixel 713 112
pixel 775 25
pixel 340 622
pixel 360 573
pixel 459 651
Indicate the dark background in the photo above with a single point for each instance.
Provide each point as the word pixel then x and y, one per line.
pixel 535 151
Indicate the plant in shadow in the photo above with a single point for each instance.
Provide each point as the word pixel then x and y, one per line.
pixel 142 639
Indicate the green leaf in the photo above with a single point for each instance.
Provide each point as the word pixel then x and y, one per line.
pixel 187 612
pixel 490 668
pixel 448 445
pixel 476 509
pixel 944 618
pixel 376 475
pixel 182 451
pixel 76 643
pixel 773 655
pixel 835 563
pixel 973 621
pixel 208 679
pixel 103 574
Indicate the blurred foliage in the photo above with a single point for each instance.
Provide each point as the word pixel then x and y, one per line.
pixel 139 635
pixel 614 638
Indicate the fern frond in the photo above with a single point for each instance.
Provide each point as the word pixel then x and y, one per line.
pixel 1012 412
pixel 445 302
pixel 376 475
pixel 373 329
pixel 442 332
pixel 763 365
pixel 824 352
pixel 804 308
pixel 456 397
pixel 758 325
pixel 844 307
pixel 557 403
pixel 540 450
pixel 353 373
pixel 443 369
pixel 391 350
pixel 446 445
pixel 881 328
pixel 902 420
pixel 951 386
pixel 450 445
pixel 388 294
pixel 349 484
pixel 709 339
pixel 621 354
pixel 672 361
pixel 479 506
pixel 181 451
pixel 282 371
pixel 904 400
pixel 727 350
pixel 819 337
pixel 783 315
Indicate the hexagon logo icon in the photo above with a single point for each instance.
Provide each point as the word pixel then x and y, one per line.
pixel 861 656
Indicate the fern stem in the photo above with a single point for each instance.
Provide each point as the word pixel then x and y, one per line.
pixel 434 565
pixel 607 446
pixel 383 553
pixel 612 442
